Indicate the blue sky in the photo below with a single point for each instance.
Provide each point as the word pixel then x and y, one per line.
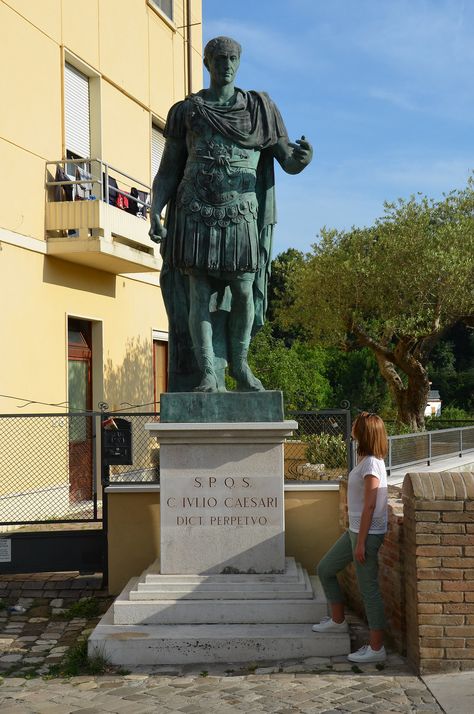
pixel 384 90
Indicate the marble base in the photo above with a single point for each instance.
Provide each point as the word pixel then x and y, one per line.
pixel 221 490
pixel 163 619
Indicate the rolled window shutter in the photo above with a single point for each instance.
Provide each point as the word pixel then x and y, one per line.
pixel 157 148
pixel 77 112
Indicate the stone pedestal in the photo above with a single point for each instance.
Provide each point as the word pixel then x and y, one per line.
pixel 222 490
pixel 223 591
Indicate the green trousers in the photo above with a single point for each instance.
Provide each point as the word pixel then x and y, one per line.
pixel 340 555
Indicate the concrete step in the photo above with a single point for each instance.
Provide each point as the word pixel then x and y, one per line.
pixel 231 608
pixel 193 644
pixel 300 589
pixel 291 573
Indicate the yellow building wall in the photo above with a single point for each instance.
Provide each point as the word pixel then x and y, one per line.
pixel 137 62
pixel 311 527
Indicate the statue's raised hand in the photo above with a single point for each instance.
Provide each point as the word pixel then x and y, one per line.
pixel 302 151
pixel 157 230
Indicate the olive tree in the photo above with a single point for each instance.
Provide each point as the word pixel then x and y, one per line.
pixel 395 288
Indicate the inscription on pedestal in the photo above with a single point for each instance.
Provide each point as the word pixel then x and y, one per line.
pixel 227 517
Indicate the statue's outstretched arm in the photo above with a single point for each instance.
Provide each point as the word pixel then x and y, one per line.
pixel 293 157
pixel 165 183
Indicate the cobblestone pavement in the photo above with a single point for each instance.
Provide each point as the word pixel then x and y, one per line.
pixel 35 642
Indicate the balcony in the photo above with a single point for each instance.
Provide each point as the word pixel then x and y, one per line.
pixel 98 216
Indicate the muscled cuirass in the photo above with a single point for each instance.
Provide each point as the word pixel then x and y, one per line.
pixel 218 186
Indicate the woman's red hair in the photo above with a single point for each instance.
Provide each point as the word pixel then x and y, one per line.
pixel 369 431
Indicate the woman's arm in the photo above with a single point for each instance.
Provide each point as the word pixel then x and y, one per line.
pixel 371 484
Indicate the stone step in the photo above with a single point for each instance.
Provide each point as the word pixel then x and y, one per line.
pixel 194 644
pixel 225 591
pixel 236 609
pixel 291 573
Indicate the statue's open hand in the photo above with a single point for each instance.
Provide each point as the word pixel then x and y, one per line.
pixel 302 151
pixel 157 230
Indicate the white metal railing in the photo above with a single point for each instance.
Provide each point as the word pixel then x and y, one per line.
pixel 96 180
pixel 428 446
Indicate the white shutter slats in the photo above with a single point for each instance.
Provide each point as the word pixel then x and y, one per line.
pixel 77 112
pixel 157 148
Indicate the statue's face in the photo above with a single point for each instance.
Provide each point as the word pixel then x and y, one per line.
pixel 223 65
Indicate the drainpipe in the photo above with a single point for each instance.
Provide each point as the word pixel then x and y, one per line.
pixel 189 47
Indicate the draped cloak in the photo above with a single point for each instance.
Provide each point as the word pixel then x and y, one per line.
pixel 251 122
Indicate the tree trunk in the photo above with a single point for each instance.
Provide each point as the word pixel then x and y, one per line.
pixel 410 398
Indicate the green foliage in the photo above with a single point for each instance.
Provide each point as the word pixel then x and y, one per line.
pixel 450 413
pixel 356 378
pixel 395 288
pixel 327 449
pixel 86 608
pixel 299 370
pixel 451 368
pixel 77 662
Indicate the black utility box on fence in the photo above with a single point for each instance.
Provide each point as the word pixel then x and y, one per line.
pixel 117 441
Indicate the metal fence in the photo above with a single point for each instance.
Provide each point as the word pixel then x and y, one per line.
pixel 320 447
pixel 51 465
pixel 48 468
pixel 425 447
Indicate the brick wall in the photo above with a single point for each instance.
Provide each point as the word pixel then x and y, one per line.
pixel 439 570
pixel 426 570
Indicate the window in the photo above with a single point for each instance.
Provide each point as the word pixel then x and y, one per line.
pixel 157 148
pixel 165 6
pixel 77 113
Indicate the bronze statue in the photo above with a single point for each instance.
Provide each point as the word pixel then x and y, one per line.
pixel 216 179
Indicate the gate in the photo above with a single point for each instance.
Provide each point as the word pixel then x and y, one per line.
pixel 50 496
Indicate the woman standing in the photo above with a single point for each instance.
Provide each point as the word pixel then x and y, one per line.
pixel 367 506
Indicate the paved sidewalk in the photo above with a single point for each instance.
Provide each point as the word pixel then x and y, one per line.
pixel 34 645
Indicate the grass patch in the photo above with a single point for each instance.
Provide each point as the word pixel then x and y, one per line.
pixel 3 604
pixel 87 608
pixel 356 669
pixel 77 662
pixel 380 666
pixel 204 673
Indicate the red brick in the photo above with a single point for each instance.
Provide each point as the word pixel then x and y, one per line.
pixel 440 505
pixel 469 550
pixel 443 642
pixel 433 516
pixel 460 631
pixel 439 550
pixel 428 586
pixel 459 653
pixel 425 539
pixel 457 608
pixel 441 527
pixel 439 574
pixel 440 597
pixel 469 573
pixel 428 562
pixel 461 585
pixel 441 619
pixel 466 540
pixel 457 517
pixel 430 607
pixel 458 563
pixel 432 652
pixel 469 597
pixel 430 631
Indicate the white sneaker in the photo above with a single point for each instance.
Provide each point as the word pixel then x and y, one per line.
pixel 367 654
pixel 327 624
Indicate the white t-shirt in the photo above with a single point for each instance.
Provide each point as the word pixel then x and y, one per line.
pixel 368 466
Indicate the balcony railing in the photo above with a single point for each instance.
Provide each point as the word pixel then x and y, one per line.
pixel 97 215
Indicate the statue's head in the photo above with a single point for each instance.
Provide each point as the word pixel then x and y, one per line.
pixel 220 45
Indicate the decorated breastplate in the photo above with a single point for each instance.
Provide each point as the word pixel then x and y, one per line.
pixel 219 181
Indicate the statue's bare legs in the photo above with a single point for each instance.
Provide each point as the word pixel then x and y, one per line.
pixel 239 332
